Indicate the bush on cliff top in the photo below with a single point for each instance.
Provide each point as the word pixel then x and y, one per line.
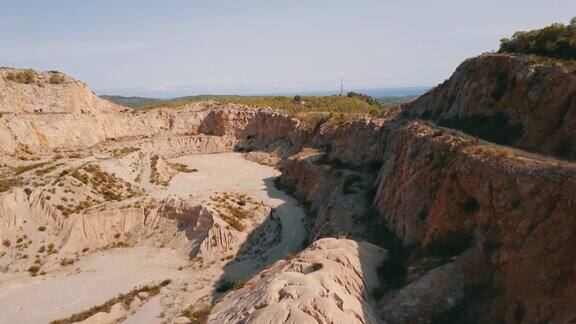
pixel 556 41
pixel 27 76
pixel 56 78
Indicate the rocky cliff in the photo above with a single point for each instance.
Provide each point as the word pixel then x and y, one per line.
pixel 511 99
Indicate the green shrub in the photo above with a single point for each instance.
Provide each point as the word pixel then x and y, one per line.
pixel 450 244
pixel 463 311
pixel 198 314
pixel 27 76
pixel 495 128
pixel 316 266
pixel 224 286
pixel 556 41
pixel 34 270
pixel 289 255
pixel 470 206
pixel 566 149
pixel 350 180
pixel 335 106
pixel 239 284
pixel 125 299
pixel 369 100
pixel 392 271
pixel 378 292
pixel 56 78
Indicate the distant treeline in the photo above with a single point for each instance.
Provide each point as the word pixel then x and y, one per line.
pixel 555 41
pixel 351 103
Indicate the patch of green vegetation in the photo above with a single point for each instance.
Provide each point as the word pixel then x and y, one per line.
pixel 56 78
pixel 495 128
pixel 392 272
pixel 470 206
pixel 463 311
pixel 289 255
pixel 125 299
pixel 7 183
pixel 566 149
pixel 555 41
pixel 316 266
pixel 180 167
pixel 239 284
pixel 34 270
pixel 23 168
pixel 353 103
pixel 197 314
pixel 27 76
pixel 450 244
pixel 287 188
pixel 117 153
pixel 224 286
pixel 132 102
pixel 349 181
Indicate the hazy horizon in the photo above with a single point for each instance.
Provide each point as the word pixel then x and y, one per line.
pixel 374 92
pixel 152 49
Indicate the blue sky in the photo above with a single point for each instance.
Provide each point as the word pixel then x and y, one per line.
pixel 172 48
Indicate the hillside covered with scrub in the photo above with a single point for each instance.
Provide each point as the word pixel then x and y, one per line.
pixel 351 103
pixel 555 41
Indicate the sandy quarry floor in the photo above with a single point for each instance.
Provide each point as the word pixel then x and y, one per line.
pixel 92 281
pixel 231 172
pixel 102 275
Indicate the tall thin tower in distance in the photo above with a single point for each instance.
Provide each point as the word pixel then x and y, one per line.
pixel 341 87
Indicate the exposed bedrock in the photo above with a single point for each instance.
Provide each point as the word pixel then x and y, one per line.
pixel 326 283
pixel 436 189
pixel 533 104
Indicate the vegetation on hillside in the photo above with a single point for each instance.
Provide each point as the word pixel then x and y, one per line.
pixel 56 78
pixel 315 107
pixel 555 41
pixel 27 76
pixel 495 128
pixel 132 102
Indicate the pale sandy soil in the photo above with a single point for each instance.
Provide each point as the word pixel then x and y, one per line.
pixel 102 275
pixel 231 172
pixel 90 282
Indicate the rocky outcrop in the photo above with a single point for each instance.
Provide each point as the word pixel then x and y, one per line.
pixel 435 188
pixel 326 283
pixel 440 289
pixel 43 95
pixel 538 101
pixel 335 195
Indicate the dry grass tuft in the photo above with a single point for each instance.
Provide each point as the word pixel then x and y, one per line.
pixel 27 76
pixel 125 299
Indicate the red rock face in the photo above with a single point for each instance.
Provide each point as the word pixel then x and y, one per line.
pixel 519 211
pixel 541 97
